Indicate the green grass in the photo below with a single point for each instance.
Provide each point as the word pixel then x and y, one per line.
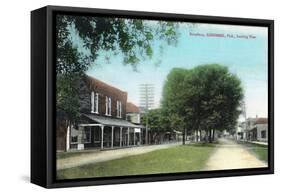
pixel 182 158
pixel 260 151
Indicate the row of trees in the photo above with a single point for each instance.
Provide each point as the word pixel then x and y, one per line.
pixel 206 98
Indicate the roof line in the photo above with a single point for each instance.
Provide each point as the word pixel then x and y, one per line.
pixel 95 79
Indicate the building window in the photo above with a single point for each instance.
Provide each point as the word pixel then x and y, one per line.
pixel 107 106
pixel 74 139
pixel 119 109
pixel 97 135
pixel 94 102
pixel 87 135
pixel 128 117
pixel 263 134
pixel 73 135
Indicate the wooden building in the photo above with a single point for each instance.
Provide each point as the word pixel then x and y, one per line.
pixel 253 129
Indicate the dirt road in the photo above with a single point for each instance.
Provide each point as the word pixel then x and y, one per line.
pixel 230 155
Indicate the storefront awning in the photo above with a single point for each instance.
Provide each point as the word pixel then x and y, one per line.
pixel 108 121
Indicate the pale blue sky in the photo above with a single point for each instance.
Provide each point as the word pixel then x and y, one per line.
pixel 247 58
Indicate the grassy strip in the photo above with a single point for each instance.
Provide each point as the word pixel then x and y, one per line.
pixel 261 151
pixel 182 158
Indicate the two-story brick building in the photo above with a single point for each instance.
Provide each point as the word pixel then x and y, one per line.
pixel 103 119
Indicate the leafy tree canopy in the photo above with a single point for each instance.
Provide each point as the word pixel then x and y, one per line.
pixel 133 38
pixel 156 120
pixel 205 97
pixel 174 98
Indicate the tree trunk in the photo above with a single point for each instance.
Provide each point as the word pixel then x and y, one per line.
pixel 213 138
pixel 200 135
pixel 210 135
pixel 183 137
pixel 162 137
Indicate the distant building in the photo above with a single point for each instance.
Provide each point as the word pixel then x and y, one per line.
pixel 259 132
pixel 254 129
pixel 133 115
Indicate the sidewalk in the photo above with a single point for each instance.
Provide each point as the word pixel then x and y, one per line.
pixel 101 156
pixel 255 142
pixel 258 142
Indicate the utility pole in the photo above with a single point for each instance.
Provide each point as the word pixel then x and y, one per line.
pixel 147 102
pixel 243 107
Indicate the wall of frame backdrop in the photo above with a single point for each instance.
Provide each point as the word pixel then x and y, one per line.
pixel 125 96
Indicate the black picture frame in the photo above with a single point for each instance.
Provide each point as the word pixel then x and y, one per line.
pixel 43 145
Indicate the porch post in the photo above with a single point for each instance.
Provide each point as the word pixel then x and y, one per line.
pixel 112 132
pixel 68 136
pixel 120 136
pixel 140 136
pixel 101 145
pixel 128 136
pixel 80 145
pixel 134 137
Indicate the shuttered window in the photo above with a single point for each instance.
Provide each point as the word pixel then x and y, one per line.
pixel 119 109
pixel 94 102
pixel 107 106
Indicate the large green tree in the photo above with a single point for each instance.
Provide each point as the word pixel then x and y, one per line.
pixel 207 97
pixel 174 100
pixel 133 39
pixel 157 122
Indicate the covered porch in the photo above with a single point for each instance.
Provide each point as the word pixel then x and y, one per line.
pixel 106 132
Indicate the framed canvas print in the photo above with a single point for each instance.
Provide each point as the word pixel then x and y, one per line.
pixel 126 96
